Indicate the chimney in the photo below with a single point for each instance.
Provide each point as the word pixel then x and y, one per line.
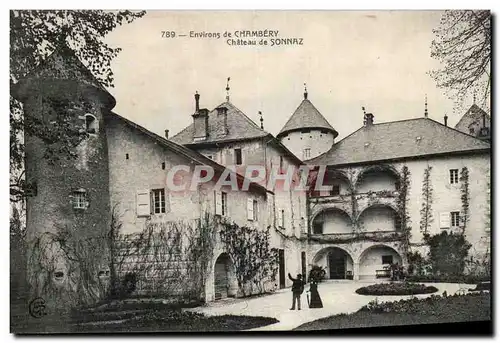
pixel 200 120
pixel 166 133
pixel 368 120
pixel 445 120
pixel 197 102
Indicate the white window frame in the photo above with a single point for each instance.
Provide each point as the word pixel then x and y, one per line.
pixel 453 176
pixel 160 199
pixel 455 219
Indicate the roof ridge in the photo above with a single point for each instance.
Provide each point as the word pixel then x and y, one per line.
pixel 189 153
pixel 244 115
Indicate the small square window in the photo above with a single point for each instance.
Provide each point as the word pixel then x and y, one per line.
pixel 387 259
pixel 79 199
pixel 453 176
pixel 163 165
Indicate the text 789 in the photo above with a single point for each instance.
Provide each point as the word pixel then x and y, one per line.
pixel 167 34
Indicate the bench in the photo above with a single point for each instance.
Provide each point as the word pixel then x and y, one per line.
pixel 380 273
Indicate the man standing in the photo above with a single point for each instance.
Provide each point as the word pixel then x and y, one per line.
pixel 297 289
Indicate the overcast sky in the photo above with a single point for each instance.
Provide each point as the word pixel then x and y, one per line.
pixel 351 59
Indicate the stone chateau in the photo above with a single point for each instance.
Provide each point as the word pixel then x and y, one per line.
pixel 368 216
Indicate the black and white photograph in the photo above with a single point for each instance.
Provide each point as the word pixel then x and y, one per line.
pixel 250 171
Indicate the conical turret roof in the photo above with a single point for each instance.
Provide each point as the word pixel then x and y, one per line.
pixel 306 116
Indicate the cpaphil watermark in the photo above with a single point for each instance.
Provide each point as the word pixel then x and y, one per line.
pixel 182 178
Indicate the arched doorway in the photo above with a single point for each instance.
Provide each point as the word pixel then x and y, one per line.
pixel 224 277
pixel 374 261
pixel 337 262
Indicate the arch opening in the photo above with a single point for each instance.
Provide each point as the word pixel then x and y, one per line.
pixel 337 263
pixel 378 178
pixel 375 261
pixel 91 124
pixel 332 221
pixel 338 183
pixel 379 218
pixel 225 284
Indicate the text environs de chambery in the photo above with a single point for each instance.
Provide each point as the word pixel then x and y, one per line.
pixel 249 37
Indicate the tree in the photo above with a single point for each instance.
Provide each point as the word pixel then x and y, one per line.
pixel 426 217
pixel 463 46
pixel 33 36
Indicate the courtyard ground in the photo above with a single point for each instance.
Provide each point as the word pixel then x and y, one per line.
pixel 337 296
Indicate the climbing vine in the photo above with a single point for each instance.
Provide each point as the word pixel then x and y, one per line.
pixel 465 197
pixel 426 217
pixel 402 206
pixel 255 262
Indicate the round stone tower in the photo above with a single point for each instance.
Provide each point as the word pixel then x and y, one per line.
pixel 68 207
pixel 307 134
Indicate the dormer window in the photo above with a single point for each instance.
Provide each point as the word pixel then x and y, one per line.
pixel 90 124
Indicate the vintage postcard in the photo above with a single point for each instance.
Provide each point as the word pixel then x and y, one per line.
pixel 194 171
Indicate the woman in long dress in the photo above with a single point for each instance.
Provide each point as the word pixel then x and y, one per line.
pixel 315 298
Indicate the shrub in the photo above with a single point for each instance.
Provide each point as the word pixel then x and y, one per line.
pixel 317 273
pixel 468 279
pixel 403 288
pixel 447 252
pixel 422 306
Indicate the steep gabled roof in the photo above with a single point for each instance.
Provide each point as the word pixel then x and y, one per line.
pixel 306 116
pixel 239 126
pixel 399 140
pixel 473 115
pixel 186 152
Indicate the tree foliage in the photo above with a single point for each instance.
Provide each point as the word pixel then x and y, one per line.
pixel 426 217
pixel 36 34
pixel 448 253
pixel 463 46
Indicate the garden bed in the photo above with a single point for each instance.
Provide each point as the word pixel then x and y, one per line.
pixel 396 288
pixel 430 310
pixel 467 279
pixel 133 316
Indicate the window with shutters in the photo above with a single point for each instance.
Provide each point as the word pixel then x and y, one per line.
pixel 444 220
pixel 255 210
pixel 158 200
pixel 250 209
pixel 455 219
pixel 453 176
pixel 224 203
pixel 143 200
